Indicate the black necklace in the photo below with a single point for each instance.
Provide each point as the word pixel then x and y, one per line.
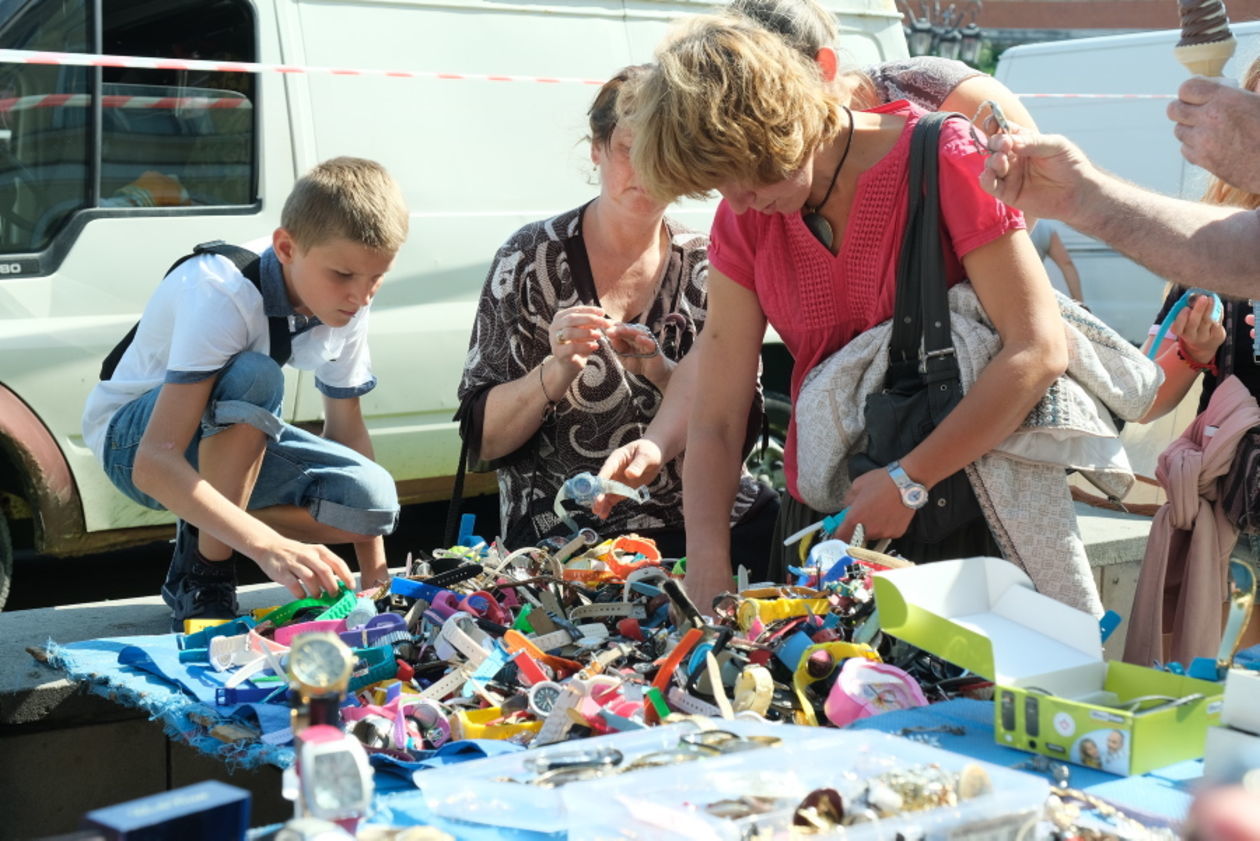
pixel 815 221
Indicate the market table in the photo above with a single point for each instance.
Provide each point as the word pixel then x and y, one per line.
pixel 1160 797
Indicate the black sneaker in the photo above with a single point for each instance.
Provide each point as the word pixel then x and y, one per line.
pixel 181 560
pixel 206 591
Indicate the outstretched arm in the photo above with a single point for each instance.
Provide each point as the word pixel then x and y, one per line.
pixel 728 353
pixel 1189 243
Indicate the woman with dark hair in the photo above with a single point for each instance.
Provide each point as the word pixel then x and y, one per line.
pixel 581 323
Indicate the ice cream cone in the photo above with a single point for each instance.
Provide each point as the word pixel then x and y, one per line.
pixel 1206 59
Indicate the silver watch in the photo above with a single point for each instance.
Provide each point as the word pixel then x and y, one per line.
pixel 913 495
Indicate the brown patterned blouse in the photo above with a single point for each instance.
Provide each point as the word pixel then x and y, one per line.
pixel 532 277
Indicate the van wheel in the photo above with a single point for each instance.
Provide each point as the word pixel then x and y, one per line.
pixel 766 463
pixel 6 559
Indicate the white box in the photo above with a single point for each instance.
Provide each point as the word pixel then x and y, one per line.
pixel 1242 701
pixel 1229 754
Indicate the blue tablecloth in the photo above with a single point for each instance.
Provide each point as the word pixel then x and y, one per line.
pixel 145 672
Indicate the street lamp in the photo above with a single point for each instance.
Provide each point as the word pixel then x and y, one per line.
pixel 950 44
pixel 920 36
pixel 934 32
pixel 972 40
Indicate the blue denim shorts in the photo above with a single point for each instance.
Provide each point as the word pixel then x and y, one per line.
pixel 339 486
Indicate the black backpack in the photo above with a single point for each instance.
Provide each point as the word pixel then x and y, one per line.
pixel 247 263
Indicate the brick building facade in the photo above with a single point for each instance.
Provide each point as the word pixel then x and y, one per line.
pixel 1126 15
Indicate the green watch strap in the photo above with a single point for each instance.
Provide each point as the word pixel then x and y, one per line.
pixel 341 608
pixel 285 613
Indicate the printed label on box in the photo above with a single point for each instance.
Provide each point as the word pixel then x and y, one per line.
pixel 1103 715
pixel 1064 724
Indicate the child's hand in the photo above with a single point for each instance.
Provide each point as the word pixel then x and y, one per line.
pixel 305 569
pixel 1251 319
pixel 1200 334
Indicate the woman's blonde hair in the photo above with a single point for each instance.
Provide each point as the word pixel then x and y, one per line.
pixel 1218 192
pixel 727 101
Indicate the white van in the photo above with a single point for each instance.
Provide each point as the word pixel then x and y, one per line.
pixel 1131 137
pixel 477 159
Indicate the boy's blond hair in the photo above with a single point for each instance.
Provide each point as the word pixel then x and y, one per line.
pixel 727 101
pixel 348 198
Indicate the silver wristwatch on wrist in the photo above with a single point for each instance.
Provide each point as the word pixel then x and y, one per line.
pixel 913 494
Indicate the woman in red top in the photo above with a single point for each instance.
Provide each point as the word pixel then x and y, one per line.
pixel 730 107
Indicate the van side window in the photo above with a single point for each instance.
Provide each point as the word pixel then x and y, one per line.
pixel 165 138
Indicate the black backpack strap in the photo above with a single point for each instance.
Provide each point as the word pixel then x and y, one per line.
pixel 249 265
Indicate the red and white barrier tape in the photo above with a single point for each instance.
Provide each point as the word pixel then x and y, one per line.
pixel 1096 95
pixel 135 62
pixel 139 63
pixel 83 100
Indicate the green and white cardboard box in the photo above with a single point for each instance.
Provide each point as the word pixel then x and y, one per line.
pixel 1054 693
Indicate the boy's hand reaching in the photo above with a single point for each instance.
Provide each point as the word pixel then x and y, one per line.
pixel 305 569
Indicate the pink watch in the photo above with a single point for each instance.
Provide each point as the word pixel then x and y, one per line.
pixel 334 777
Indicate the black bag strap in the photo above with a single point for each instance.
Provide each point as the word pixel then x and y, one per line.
pixel 455 507
pixel 249 265
pixel 921 348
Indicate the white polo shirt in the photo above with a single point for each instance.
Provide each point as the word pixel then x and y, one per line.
pixel 206 312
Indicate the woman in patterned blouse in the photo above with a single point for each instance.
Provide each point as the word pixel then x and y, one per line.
pixel 581 323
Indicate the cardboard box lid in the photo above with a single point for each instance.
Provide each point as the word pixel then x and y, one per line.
pixel 984 615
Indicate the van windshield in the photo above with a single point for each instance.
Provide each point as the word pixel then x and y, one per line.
pixel 74 139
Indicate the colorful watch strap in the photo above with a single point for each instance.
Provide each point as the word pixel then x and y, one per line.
pixel 285 613
pixel 385 629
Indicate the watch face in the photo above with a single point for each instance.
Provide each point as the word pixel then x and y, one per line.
pixel 317 662
pixel 543 698
pixel 336 785
pixel 914 496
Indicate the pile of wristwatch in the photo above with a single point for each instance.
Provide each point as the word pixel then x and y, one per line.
pixel 559 641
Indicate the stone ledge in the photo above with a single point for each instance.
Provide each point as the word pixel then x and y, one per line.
pixel 1112 537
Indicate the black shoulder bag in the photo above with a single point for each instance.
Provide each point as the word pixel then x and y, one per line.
pixel 922 385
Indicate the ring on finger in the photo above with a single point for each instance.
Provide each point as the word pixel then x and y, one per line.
pixel 562 337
